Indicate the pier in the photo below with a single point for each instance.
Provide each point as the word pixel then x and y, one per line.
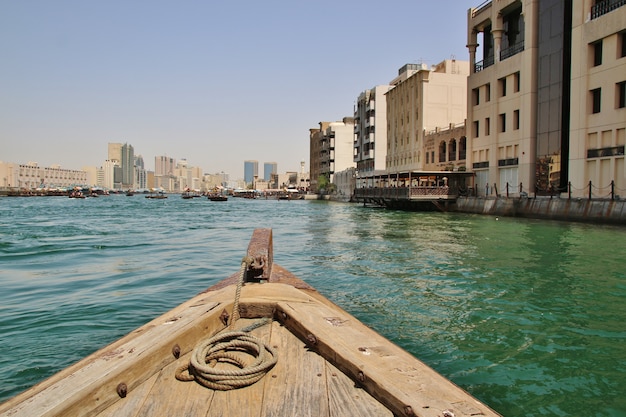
pixel 413 190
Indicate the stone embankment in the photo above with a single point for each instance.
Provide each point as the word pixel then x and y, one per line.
pixel 578 210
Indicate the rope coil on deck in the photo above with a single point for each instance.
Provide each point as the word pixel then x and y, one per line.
pixel 230 347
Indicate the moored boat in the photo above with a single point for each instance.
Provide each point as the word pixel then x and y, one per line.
pixel 261 342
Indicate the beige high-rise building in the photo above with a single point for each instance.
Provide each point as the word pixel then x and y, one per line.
pixel 422 99
pixel 115 152
pixel 544 107
pixel 598 98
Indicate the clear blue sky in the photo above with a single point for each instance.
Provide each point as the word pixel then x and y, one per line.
pixel 215 82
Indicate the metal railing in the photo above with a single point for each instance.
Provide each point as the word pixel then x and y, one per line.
pixel 590 190
pixel 605 7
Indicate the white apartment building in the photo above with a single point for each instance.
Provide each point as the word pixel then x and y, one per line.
pixel 370 132
pixel 422 99
pixel 337 147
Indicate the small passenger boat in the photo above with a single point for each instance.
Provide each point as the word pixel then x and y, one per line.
pixel 217 197
pixel 262 342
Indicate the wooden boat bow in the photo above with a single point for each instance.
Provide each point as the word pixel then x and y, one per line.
pixel 329 363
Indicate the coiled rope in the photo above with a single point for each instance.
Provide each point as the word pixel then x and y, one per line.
pixel 230 347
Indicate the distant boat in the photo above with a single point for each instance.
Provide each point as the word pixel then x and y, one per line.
pixel 159 195
pixel 130 193
pixel 217 197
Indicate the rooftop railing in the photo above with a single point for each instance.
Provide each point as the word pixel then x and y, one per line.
pixel 605 6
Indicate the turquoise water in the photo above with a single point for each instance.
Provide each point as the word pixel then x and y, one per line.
pixel 529 316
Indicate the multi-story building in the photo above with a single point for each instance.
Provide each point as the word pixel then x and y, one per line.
pixel 141 176
pixel 370 131
pixel 164 165
pixel 544 111
pixel 503 42
pixel 315 154
pixel 114 152
pixel 337 147
pixel 597 131
pixel 250 171
pixel 269 168
pixel 445 149
pixel 108 173
pixel 31 176
pixel 421 100
pixel 127 163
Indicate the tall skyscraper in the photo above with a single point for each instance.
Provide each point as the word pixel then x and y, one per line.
pixel 115 152
pixel 250 170
pixel 269 168
pixel 128 165
pixel 164 165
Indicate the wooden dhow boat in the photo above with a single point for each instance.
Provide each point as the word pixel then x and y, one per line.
pixel 259 343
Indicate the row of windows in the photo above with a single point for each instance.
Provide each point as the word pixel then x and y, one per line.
pixel 514 124
pixel 595 98
pixel 513 79
pixel 596 53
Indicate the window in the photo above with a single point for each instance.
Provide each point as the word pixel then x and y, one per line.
pixel 452 150
pixel 595 100
pixel 476 96
pixel 487 126
pixel 476 128
pixel 621 40
pixel 442 152
pixel 502 86
pixel 462 148
pixel 621 94
pixel 503 122
pixel 515 119
pixel 596 53
pixel 488 92
pixel 516 82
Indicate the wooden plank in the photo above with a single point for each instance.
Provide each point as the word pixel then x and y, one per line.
pixel 297 384
pixel 90 385
pixel 170 397
pixel 348 400
pixel 391 375
pixel 131 405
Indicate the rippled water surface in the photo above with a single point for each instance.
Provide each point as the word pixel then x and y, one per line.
pixel 529 316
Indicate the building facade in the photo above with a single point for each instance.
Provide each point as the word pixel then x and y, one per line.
pixel 421 100
pixel 317 169
pixel 338 147
pixel 269 168
pixel 250 171
pixel 30 176
pixel 544 111
pixel 597 131
pixel 370 130
pixel 164 165
pixel 445 149
pixel 127 163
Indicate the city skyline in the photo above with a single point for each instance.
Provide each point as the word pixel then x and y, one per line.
pixel 71 84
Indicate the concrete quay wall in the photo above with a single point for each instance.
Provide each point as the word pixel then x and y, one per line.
pixel 578 210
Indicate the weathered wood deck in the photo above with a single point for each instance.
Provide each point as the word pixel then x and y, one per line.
pixel 329 364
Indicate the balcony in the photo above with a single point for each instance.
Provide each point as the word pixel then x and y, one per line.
pixel 605 7
pixel 481 65
pixel 512 50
